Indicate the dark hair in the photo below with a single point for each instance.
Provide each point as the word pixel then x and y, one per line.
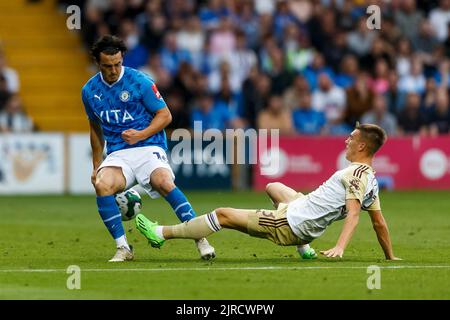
pixel 109 45
pixel 374 135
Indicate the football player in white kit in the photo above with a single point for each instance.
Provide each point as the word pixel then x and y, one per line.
pixel 299 219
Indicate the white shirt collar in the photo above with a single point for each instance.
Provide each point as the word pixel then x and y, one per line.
pixel 122 71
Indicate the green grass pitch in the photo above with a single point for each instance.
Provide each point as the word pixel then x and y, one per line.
pixel 41 236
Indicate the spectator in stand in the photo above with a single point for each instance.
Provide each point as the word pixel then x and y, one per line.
pixel 212 116
pixel 359 99
pixel 137 54
pixel 184 82
pixel 192 38
pixel 380 82
pixel 440 119
pixel 394 97
pixel 222 41
pixel 9 74
pixel 404 57
pixel 322 27
pixel 153 26
pixel 269 44
pixel 329 99
pixel 283 17
pixel 300 56
pixel 241 60
pixel 428 101
pixel 380 116
pixel 224 72
pixel 293 94
pixel 390 32
pixel 255 95
pixel 171 55
pixel 440 18
pixel 306 120
pixel 411 120
pixel 211 14
pixel 274 116
pixel 13 118
pixel 408 18
pixel 179 110
pixel 158 73
pixel 316 68
pixel 231 101
pixel 360 41
pixel 336 51
pixel 116 13
pixel 248 20
pixel 348 71
pixel 281 77
pixel 92 17
pixel 425 42
pixel 380 50
pixel 415 80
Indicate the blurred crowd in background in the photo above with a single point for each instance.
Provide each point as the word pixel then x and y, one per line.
pixel 302 66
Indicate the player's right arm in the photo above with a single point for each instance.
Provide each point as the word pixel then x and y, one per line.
pixel 95 133
pixel 382 231
pixel 97 145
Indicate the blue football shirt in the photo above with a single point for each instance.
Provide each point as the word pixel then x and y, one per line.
pixel 129 103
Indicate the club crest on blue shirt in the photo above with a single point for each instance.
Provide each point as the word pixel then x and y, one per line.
pixel 124 96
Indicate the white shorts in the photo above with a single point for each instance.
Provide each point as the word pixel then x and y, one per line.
pixel 138 164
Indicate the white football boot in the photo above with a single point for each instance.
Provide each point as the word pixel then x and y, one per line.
pixel 123 254
pixel 206 251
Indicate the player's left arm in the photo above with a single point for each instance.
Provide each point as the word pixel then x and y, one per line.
pixel 353 207
pixel 155 104
pixel 381 229
pixel 161 120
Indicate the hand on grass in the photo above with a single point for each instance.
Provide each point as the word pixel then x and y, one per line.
pixel 333 252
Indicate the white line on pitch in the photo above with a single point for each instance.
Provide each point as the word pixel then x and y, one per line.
pixel 222 269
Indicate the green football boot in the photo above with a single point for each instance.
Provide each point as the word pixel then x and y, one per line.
pixel 309 254
pixel 147 228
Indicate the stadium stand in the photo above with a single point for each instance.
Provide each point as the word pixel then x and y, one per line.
pixel 242 53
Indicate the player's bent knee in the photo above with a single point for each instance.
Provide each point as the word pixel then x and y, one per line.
pixel 166 185
pixel 271 186
pixel 224 216
pixel 103 189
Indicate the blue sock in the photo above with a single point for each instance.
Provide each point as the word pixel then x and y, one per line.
pixel 180 205
pixel 111 216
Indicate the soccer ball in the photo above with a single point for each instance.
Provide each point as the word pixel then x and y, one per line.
pixel 129 203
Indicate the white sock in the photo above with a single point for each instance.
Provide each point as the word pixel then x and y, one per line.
pixel 302 249
pixel 212 221
pixel 122 242
pixel 159 232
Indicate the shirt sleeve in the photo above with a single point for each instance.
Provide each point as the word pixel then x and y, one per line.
pixel 375 206
pixel 87 106
pixel 151 98
pixel 354 186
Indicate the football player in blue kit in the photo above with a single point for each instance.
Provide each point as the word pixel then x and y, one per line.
pixel 125 109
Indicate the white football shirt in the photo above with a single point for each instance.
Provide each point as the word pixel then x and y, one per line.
pixel 309 216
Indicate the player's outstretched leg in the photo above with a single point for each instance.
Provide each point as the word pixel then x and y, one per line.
pixel 197 228
pixel 161 180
